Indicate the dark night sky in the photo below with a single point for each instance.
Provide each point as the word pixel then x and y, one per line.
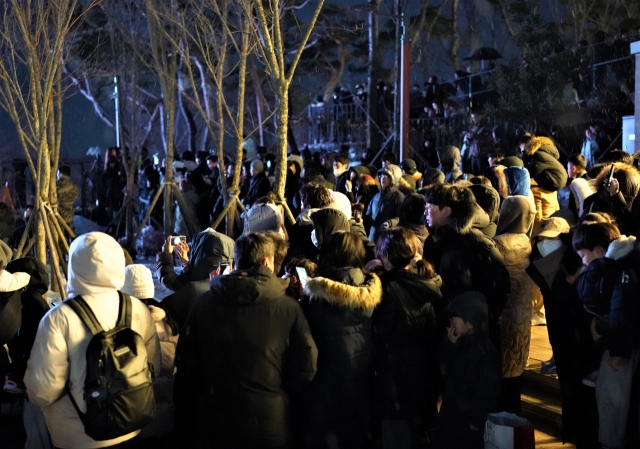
pixel 82 128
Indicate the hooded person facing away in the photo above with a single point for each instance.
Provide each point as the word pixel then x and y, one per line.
pixel 515 220
pixel 246 347
pixel 209 249
pixel 58 358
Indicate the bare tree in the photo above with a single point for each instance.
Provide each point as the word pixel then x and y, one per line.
pixel 266 26
pixel 32 45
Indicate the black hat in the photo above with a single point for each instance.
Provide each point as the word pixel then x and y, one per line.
pixel 409 166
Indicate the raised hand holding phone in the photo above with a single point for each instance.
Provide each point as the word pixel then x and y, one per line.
pixel 612 185
pixel 302 276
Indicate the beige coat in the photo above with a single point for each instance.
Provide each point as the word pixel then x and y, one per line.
pixel 546 204
pixel 514 245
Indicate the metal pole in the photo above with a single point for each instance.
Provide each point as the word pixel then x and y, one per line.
pixel 117 101
pixel 405 77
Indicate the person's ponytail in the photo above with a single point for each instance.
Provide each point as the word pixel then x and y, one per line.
pixel 425 269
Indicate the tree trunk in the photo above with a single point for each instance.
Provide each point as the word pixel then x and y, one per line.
pixel 397 82
pixel 259 99
pixel 455 35
pixel 373 133
pixel 192 129
pixel 282 115
pixel 168 176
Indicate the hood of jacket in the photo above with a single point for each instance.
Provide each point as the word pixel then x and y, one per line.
pixel 37 270
pixel 449 157
pixel 352 290
pixel 543 165
pixel 488 199
pixel 96 265
pixel 516 216
pixel 471 307
pixel 360 170
pixel 518 181
pixel 339 201
pixel 542 144
pixel 620 247
pixel 432 176
pixel 581 190
pixel 247 287
pixel 480 218
pixel 208 249
pixel 327 221
pixel 394 172
pixel 305 216
pixel 409 182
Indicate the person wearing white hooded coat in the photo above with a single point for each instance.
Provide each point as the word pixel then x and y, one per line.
pixel 58 357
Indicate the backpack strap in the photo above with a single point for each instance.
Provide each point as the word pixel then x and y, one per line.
pixel 124 314
pixel 82 309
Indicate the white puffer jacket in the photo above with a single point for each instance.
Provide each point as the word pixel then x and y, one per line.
pixel 58 357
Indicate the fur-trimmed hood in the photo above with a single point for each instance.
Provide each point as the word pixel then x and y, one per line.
pixel 544 144
pixel 367 295
pixel 620 247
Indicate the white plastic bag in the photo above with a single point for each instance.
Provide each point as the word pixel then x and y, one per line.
pixel 508 431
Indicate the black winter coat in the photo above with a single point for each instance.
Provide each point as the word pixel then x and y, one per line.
pixel 470 262
pixel 568 327
pixel 10 315
pixel 404 333
pixel 546 170
pixel 245 348
pixel 259 186
pixel 178 304
pixel 624 332
pixel 34 307
pixel 341 182
pixel 334 410
pixel 472 372
pixel 384 206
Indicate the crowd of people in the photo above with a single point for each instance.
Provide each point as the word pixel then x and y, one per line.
pixel 395 312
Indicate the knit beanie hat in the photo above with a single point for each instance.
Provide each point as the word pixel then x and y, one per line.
pixel 5 255
pixel 258 166
pixel 138 282
pixel 432 176
pixel 512 161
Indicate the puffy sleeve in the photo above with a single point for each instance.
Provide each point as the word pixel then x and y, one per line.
pixel 48 366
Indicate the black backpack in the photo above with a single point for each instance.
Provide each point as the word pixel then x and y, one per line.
pixel 118 386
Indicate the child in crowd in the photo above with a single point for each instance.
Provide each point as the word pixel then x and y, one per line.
pixel 601 246
pixel 470 365
pixel 591 242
